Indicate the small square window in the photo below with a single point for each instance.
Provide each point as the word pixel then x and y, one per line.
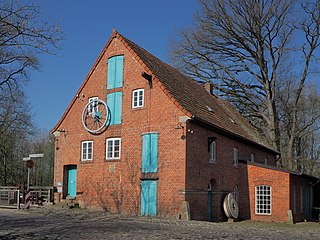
pixel 113 148
pixel 138 98
pixel 86 150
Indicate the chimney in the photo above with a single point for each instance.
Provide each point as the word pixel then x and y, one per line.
pixel 208 86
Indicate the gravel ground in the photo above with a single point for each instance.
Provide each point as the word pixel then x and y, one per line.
pixel 58 223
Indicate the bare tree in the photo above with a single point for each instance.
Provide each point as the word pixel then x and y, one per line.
pixel 15 127
pixel 247 48
pixel 23 36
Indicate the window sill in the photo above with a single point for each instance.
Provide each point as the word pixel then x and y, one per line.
pixel 138 108
pixel 86 161
pixel 113 160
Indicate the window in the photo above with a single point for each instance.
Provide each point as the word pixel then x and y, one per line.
pixel 266 160
pixel 93 107
pixel 114 102
pixel 252 157
pixel 113 146
pixel 235 156
pixel 212 150
pixel 263 200
pixel 115 72
pixel 137 98
pixel 86 150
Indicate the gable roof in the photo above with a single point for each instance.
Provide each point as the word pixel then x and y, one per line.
pixel 194 98
pixel 188 95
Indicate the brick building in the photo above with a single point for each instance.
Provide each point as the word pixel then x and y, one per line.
pixel 161 144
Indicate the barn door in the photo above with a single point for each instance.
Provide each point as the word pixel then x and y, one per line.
pixel 149 198
pixel 72 181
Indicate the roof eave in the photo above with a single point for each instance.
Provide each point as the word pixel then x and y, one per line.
pixel 237 136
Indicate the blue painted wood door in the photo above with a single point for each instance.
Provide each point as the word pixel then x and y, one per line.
pixel 150 153
pixel 72 181
pixel 149 198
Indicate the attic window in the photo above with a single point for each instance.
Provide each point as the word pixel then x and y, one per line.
pixel 209 108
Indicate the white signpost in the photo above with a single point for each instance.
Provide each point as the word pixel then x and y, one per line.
pixel 36 155
pixel 29 164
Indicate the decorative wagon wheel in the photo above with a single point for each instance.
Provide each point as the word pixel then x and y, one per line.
pixel 95 116
pixel 230 206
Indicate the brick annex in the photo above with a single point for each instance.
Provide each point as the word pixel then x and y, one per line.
pixel 139 137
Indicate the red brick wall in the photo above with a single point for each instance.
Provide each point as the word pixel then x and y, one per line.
pixel 97 184
pixel 280 184
pixel 223 174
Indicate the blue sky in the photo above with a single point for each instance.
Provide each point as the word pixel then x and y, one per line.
pixel 87 26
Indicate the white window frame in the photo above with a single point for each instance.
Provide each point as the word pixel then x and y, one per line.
pixel 235 156
pixel 252 157
pixel 85 155
pixel 113 146
pixel 213 152
pixel 92 108
pixel 263 200
pixel 135 99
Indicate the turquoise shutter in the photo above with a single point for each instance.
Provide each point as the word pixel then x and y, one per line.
pixel 117 108
pixel 149 198
pixel 111 73
pixel 144 198
pixel 118 72
pixel 115 72
pixel 110 103
pixel 154 153
pixel 145 153
pixel 150 153
pixel 114 102
pixel 152 206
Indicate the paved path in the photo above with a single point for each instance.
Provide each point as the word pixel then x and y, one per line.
pixel 53 223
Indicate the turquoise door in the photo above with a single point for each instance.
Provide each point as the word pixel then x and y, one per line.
pixel 72 181
pixel 149 198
